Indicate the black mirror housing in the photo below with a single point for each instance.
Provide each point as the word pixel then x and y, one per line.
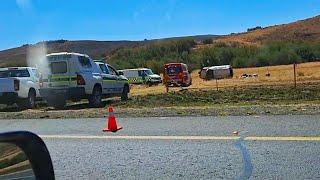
pixel 120 73
pixel 35 150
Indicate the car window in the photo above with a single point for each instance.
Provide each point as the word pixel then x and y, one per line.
pixel 3 74
pixel 104 68
pixel 148 72
pixel 184 68
pixel 36 73
pixel 174 69
pixel 58 67
pixel 112 71
pixel 14 73
pixel 84 62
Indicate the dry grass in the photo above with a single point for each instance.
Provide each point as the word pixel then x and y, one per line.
pixel 279 75
pixel 304 30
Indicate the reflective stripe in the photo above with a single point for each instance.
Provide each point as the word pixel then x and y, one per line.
pixel 135 80
pixel 111 80
pixel 61 78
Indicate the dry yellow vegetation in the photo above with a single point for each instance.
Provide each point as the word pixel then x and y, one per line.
pixel 303 30
pixel 279 75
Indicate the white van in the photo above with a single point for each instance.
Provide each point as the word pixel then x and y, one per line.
pixel 141 76
pixel 75 76
pixel 216 72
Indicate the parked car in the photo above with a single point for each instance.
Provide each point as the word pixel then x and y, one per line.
pixel 75 76
pixel 141 76
pixel 177 74
pixel 19 85
pixel 216 72
pixel 114 82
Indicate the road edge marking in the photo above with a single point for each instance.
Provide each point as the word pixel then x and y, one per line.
pixel 249 138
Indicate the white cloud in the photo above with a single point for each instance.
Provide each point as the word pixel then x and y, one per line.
pixel 24 4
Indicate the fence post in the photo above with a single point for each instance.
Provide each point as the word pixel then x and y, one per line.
pixel 294 74
pixel 217 84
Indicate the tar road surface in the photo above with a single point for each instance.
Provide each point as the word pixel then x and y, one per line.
pixel 274 147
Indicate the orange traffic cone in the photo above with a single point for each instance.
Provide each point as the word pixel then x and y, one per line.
pixel 111 122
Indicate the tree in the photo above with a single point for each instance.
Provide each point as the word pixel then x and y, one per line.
pixel 207 41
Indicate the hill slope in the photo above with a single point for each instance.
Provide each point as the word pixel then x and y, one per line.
pixel 303 30
pixel 95 49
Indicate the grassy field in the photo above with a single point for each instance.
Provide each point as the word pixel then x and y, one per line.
pixel 237 96
pixel 307 73
pixel 240 101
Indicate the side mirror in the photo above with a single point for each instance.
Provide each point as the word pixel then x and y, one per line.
pixel 120 73
pixel 23 155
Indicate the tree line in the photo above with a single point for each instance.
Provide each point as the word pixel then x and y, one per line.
pixel 155 55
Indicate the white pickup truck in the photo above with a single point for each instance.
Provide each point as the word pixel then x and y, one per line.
pixel 75 76
pixel 19 85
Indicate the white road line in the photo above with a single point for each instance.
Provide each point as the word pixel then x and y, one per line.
pixel 250 138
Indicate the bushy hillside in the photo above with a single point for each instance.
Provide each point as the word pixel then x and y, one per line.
pixel 95 49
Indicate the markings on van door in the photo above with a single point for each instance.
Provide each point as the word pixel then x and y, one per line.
pixel 107 79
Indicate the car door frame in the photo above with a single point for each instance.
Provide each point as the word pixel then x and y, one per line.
pixel 107 78
pixel 118 84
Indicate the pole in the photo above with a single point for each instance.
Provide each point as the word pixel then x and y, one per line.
pixel 294 74
pixel 217 84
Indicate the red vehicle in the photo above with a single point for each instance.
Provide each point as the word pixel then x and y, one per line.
pixel 177 74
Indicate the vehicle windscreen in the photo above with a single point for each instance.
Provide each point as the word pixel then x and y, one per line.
pixel 14 73
pixel 148 72
pixel 174 69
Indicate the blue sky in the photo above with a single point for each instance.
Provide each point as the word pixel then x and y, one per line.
pixel 31 21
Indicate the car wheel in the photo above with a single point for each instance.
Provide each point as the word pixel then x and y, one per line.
pixel 149 84
pixel 29 102
pixel 125 91
pixel 95 100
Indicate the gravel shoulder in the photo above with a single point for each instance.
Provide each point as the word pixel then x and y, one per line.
pixel 309 108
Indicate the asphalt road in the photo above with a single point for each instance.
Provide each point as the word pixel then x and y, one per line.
pixel 277 147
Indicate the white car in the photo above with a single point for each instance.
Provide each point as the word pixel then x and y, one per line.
pixel 114 83
pixel 19 85
pixel 141 76
pixel 75 76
